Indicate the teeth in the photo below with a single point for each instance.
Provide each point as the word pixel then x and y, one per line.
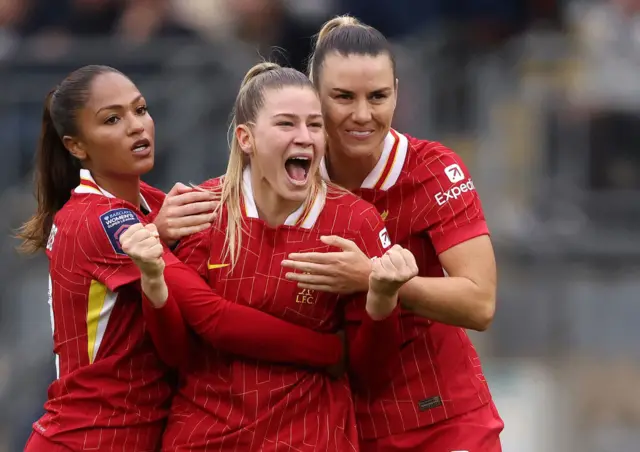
pixel 359 134
pixel 140 148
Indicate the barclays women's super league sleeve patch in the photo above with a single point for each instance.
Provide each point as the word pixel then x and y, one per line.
pixel 115 222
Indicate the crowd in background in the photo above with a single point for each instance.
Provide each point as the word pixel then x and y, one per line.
pixel 260 21
pixel 541 98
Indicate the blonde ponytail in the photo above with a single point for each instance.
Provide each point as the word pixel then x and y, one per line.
pixel 257 70
pixel 231 193
pixel 231 198
pixel 249 101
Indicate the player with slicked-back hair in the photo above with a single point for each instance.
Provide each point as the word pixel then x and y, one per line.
pixel 272 203
pixel 82 146
pixel 438 398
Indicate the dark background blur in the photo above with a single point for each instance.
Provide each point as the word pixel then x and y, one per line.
pixel 540 97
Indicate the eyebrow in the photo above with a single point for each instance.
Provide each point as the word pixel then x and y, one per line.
pixel 292 116
pixel 117 107
pixel 386 89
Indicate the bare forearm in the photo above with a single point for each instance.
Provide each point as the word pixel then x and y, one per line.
pixel 451 300
pixel 155 288
pixel 380 306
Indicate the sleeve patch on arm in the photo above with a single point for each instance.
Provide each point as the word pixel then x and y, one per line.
pixel 115 222
pixel 454 173
pixel 385 241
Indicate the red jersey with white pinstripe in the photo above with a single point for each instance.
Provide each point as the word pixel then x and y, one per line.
pixel 227 403
pixel 424 193
pixel 111 392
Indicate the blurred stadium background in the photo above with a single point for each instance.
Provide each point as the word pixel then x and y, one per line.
pixel 541 98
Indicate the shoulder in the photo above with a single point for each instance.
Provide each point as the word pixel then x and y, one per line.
pixel 93 222
pixel 360 211
pixel 363 223
pixel 109 219
pixel 430 159
pixel 152 195
pixel 90 208
pixel 212 184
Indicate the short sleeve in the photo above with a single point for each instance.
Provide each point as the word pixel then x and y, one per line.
pixel 447 205
pixel 98 241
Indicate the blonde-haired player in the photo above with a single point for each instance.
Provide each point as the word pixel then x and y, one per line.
pixel 273 203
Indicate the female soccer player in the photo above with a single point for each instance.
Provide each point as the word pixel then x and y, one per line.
pixel 438 399
pixel 273 202
pixel 112 392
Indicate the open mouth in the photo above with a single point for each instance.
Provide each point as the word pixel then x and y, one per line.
pixel 298 168
pixel 141 145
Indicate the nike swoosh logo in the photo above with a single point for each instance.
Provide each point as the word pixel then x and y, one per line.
pixel 214 266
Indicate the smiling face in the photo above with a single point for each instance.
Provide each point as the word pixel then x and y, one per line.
pixel 286 142
pixel 358 94
pixel 115 131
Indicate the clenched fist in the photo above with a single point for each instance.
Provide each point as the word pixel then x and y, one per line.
pixel 142 244
pixel 392 270
pixel 388 274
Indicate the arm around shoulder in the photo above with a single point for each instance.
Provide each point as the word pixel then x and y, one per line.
pixel 451 217
pixel 467 296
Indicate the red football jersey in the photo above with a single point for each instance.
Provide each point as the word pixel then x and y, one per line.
pixel 111 392
pixel 231 403
pixel 429 203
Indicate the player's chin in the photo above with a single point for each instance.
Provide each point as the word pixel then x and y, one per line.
pixel 294 190
pixel 143 166
pixel 360 147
